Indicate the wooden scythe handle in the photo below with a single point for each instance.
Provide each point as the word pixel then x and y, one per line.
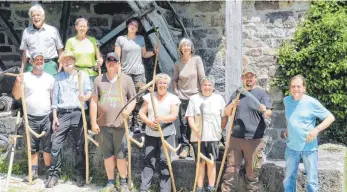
pixel 227 143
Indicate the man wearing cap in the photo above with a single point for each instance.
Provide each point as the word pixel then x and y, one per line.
pixel 104 106
pixel 67 116
pixel 41 37
pixel 38 87
pixel 246 141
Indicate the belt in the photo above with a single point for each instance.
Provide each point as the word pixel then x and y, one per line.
pixel 68 110
pixel 49 60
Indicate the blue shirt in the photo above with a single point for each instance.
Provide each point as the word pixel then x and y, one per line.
pixel 65 90
pixel 301 118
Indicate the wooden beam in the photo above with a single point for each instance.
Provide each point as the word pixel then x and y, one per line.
pixel 104 40
pixel 65 20
pixel 233 64
pixel 10 31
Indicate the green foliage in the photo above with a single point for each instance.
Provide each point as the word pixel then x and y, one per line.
pixel 318 51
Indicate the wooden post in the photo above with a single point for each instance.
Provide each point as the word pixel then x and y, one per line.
pixel 233 66
pixel 85 130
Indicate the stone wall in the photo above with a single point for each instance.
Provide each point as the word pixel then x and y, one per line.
pixel 265 25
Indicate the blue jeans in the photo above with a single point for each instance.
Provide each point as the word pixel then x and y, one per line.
pixel 310 160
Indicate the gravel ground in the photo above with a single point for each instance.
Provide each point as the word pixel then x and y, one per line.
pixel 38 185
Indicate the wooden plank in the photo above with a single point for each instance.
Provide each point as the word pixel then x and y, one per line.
pixel 11 33
pixel 104 40
pixel 233 66
pixel 65 20
pixel 166 44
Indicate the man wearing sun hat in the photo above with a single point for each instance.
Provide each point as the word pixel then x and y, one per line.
pixel 246 141
pixel 38 86
pixel 67 116
pixel 104 105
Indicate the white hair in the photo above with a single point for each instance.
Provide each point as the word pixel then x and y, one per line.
pixel 81 20
pixel 36 7
pixel 163 76
pixel 209 79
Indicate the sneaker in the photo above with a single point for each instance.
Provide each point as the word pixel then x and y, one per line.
pixel 199 189
pixel 184 154
pixel 124 187
pixel 81 180
pixel 109 188
pixel 34 176
pixel 51 182
pixel 210 189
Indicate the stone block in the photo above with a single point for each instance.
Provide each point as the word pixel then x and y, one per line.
pixel 266 5
pixel 199 43
pixel 207 56
pixel 22 13
pixel 278 119
pixel 53 9
pixel 273 16
pixel 255 52
pixel 98 21
pixel 80 7
pixel 213 43
pixel 273 52
pixel 217 20
pixel 12 57
pixel 5 49
pixel 202 33
pixel 6 14
pixel 208 6
pixel 252 43
pixel 112 8
pixel 265 59
pixel 278 32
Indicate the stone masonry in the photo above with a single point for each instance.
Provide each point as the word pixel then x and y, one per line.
pixel 266 24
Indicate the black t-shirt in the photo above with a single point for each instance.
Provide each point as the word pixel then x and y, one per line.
pixel 249 122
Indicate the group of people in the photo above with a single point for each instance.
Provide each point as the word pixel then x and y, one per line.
pixel 53 97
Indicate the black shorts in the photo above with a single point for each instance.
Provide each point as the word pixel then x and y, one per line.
pixel 207 148
pixel 113 142
pixel 39 124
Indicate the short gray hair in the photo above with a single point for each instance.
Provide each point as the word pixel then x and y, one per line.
pixel 36 7
pixel 81 20
pixel 185 41
pixel 163 76
pixel 208 78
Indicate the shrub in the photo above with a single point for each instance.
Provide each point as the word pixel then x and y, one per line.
pixel 318 51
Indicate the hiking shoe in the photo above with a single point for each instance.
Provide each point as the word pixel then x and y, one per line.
pixel 34 176
pixel 184 154
pixel 210 189
pixel 81 180
pixel 124 187
pixel 51 182
pixel 109 188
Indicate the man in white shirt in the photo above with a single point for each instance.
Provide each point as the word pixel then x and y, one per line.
pixel 38 86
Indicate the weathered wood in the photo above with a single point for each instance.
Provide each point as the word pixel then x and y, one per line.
pixel 168 51
pixel 233 66
pixel 65 20
pixel 122 26
pixel 10 32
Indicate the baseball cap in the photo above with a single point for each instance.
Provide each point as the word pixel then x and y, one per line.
pixel 112 56
pixel 33 55
pixel 64 54
pixel 248 70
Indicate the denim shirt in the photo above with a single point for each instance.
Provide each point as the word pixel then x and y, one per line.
pixel 65 90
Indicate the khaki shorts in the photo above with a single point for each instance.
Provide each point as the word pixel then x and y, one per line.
pixel 113 142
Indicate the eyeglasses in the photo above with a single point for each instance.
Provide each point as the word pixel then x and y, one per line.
pixel 111 59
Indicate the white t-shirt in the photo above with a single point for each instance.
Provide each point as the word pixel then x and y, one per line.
pixel 38 90
pixel 211 110
pixel 163 108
